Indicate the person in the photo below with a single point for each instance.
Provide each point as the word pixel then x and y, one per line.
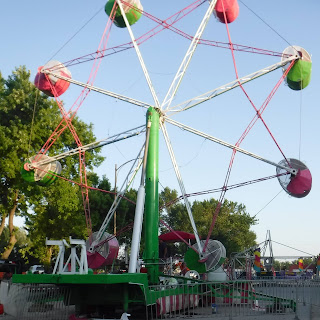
pixel 7 275
pixel 184 268
pixel 163 249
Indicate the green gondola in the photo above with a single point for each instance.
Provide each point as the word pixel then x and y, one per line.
pixel 41 174
pixel 300 74
pixel 132 14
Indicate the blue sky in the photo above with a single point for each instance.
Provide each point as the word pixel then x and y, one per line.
pixel 35 33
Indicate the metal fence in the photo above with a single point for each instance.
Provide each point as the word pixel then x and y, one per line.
pixel 263 299
pixel 38 302
pixel 239 299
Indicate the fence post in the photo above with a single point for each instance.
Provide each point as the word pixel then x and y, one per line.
pixel 296 312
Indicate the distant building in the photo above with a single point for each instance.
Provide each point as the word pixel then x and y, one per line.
pixel 307 268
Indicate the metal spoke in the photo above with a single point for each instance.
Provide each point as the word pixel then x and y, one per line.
pixel 187 58
pixel 182 188
pixel 228 145
pixel 93 145
pixel 224 88
pixel 136 47
pixel 127 182
pixel 103 91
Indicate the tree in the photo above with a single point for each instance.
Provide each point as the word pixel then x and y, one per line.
pixel 306 261
pixel 21 244
pixel 27 119
pixel 125 216
pixel 56 215
pixel 281 265
pixel 232 227
pixel 100 203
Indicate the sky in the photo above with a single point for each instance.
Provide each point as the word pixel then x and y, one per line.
pixel 35 33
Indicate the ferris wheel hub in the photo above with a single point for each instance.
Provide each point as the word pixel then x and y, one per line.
pixel 203 260
pixel 27 166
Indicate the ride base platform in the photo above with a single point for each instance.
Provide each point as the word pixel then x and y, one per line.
pixel 112 294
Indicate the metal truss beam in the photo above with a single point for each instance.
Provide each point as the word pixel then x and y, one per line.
pixel 188 104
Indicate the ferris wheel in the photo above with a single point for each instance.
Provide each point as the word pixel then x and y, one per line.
pixel 293 68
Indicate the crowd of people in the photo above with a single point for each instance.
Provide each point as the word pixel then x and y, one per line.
pixel 171 264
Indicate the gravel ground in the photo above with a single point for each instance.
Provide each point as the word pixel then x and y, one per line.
pixel 305 313
pixel 215 317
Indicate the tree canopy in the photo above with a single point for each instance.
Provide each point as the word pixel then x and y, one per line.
pixel 232 226
pixel 27 119
pixel 100 203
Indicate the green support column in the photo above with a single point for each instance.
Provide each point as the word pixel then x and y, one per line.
pixel 151 216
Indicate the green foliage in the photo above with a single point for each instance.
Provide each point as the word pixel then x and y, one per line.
pixel 27 119
pixel 281 265
pixel 22 242
pixel 125 215
pixel 232 226
pixel 306 261
pixel 285 265
pixel 100 203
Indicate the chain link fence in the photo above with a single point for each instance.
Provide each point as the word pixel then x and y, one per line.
pixel 255 299
pixel 263 299
pixel 37 302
